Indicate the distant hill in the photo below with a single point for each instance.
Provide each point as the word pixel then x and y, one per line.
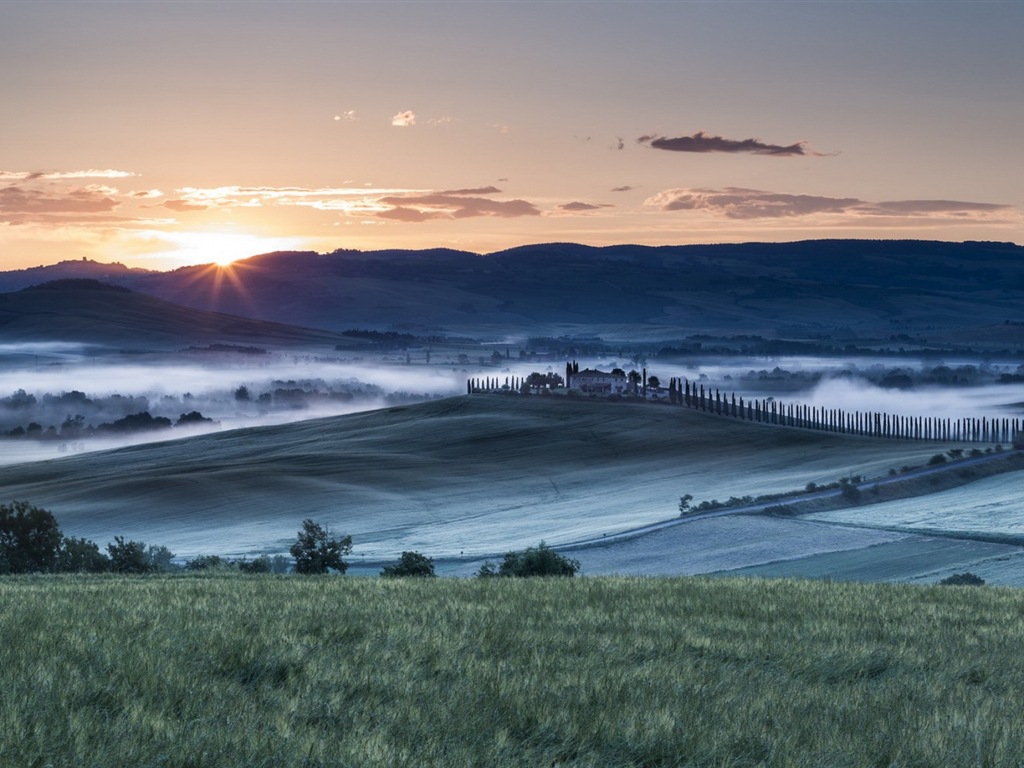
pixel 88 311
pixel 816 286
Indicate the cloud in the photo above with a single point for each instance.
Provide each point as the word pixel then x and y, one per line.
pixel 475 191
pixel 930 207
pixel 702 142
pixel 404 119
pixel 739 203
pixel 577 206
pixel 624 188
pixel 447 206
pixel 8 176
pixel 184 205
pixel 146 194
pixel 348 115
pixel 21 204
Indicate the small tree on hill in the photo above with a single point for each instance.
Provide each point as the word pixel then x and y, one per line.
pixel 410 564
pixel 316 551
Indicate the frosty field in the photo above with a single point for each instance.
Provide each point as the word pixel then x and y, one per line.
pixel 468 478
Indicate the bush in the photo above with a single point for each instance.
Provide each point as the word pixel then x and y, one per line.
pixel 82 556
pixel 206 563
pixel 260 565
pixel 963 580
pixel 410 564
pixel 160 559
pixel 533 561
pixel 316 551
pixel 128 556
pixel 938 458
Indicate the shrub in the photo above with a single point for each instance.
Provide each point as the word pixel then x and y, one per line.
pixel 260 565
pixel 533 561
pixel 850 492
pixel 410 564
pixel 82 556
pixel 160 559
pixel 316 551
pixel 128 556
pixel 938 458
pixel 206 563
pixel 963 580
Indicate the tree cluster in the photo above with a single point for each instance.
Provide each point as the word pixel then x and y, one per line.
pixel 541 560
pixel 31 542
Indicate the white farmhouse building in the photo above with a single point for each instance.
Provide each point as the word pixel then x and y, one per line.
pixel 598 382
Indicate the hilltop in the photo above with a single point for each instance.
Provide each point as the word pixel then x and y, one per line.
pixel 809 288
pixel 88 311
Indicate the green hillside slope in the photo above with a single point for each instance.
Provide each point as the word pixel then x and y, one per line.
pixel 87 311
pixel 469 475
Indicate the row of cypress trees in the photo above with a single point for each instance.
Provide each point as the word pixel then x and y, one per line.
pixel 868 423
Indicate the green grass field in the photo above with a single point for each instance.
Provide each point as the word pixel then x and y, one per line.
pixel 291 671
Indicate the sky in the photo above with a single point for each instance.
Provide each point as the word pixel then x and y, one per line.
pixel 164 133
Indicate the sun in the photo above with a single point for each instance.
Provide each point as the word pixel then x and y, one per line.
pixel 220 249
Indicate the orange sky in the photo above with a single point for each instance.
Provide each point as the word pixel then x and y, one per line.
pixel 168 133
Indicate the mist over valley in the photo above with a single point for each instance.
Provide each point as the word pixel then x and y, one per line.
pixel 171 423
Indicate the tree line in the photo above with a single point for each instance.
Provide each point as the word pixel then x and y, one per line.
pixel 866 423
pixel 31 541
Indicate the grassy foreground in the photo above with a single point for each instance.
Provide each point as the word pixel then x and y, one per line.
pixel 292 671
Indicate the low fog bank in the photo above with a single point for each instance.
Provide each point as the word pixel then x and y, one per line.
pixel 58 399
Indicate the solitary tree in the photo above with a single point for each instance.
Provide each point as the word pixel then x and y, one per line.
pixel 30 539
pixel 411 564
pixel 316 551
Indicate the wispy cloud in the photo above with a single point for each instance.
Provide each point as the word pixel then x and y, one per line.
pixel 576 207
pixel 624 188
pixel 739 203
pixel 8 176
pixel 349 115
pixel 184 206
pixel 448 206
pixel 703 143
pixel 404 119
pixel 472 191
pixel 21 204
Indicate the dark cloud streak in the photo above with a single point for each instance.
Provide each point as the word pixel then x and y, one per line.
pixel 701 142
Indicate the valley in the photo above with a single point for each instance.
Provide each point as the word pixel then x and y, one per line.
pixel 366 427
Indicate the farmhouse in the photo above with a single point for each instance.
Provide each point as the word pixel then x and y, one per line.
pixel 598 382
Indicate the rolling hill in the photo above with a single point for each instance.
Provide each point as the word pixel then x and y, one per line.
pixel 465 477
pixel 802 288
pixel 91 312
